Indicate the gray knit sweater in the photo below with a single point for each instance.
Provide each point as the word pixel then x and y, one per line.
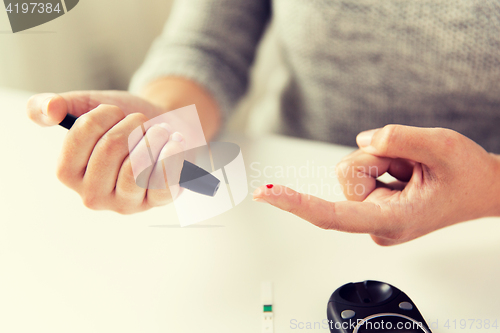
pixel 353 65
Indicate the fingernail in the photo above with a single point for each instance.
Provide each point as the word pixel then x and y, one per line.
pixel 165 126
pixel 257 195
pixel 365 138
pixel 45 106
pixel 177 137
pixel 258 191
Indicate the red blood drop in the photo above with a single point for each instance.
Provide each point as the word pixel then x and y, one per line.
pixel 269 185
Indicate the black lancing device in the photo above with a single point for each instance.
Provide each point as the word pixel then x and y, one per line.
pixel 192 177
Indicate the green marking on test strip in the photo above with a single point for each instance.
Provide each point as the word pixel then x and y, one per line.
pixel 268 308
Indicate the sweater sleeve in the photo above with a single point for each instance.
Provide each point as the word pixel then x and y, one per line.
pixel 211 42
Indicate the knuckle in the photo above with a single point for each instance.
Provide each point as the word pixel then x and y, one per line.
pixel 91 201
pixel 156 136
pixel 446 142
pixel 129 190
pixel 450 138
pixel 386 138
pixel 128 203
pixel 137 117
pixel 160 199
pixel 62 172
pixel 129 185
pixel 342 167
pixel 112 141
pixel 88 122
pixel 124 210
pixel 108 108
pixel 329 221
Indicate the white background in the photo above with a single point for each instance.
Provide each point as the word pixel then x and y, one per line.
pixel 64 268
pixel 99 45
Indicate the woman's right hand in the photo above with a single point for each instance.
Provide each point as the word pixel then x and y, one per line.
pixel 99 157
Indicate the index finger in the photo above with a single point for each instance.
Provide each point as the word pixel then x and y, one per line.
pixel 348 216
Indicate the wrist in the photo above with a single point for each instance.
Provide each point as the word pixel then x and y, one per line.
pixel 171 93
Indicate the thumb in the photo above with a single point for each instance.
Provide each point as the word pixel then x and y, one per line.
pixel 349 216
pixel 424 145
pixel 47 109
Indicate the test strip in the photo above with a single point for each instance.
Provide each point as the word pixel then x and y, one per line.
pixel 267 307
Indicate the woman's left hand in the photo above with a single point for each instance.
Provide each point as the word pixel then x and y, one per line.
pixel 443 178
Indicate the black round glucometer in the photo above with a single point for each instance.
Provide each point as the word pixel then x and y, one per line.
pixel 373 306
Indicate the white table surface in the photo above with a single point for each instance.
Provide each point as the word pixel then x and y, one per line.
pixel 65 268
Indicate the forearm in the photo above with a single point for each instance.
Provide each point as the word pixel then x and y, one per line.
pixel 171 93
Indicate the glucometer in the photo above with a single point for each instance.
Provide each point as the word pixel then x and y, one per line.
pixel 192 177
pixel 373 306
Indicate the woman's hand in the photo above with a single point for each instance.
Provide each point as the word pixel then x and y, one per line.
pixel 443 178
pixel 99 157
